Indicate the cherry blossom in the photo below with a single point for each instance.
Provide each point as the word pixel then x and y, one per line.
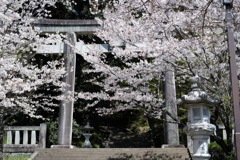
pixel 20 79
pixel 148 35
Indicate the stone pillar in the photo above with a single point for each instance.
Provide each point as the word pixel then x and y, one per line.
pixel 171 126
pixel 66 109
pixel 42 135
pixel 198 126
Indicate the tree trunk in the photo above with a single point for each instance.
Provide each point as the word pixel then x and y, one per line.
pixel 156 132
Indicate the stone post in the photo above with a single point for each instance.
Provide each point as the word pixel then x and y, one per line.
pixel 42 135
pixel 66 109
pixel 198 126
pixel 171 126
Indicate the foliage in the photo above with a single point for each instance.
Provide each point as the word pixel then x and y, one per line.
pixel 16 157
pixel 53 132
pixel 138 122
pixel 217 153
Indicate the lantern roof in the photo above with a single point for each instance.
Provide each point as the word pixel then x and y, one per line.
pixel 87 127
pixel 197 95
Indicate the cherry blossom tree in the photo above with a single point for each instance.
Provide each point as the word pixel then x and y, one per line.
pixel 20 79
pixel 148 35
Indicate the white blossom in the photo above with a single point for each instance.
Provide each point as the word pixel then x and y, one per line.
pixel 148 35
pixel 19 79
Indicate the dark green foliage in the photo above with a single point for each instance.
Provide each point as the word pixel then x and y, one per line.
pixel 52 132
pixel 16 157
pixel 217 153
pixel 128 123
pixel 156 127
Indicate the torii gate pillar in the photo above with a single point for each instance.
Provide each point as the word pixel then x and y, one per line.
pixel 66 109
pixel 170 126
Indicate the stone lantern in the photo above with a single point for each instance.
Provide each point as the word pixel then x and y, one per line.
pixel 87 134
pixel 198 126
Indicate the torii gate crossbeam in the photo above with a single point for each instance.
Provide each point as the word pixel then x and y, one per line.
pixel 63 26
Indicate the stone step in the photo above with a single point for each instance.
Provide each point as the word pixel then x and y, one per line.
pixel 113 154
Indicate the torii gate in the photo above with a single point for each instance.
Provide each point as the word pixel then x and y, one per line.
pixel 73 27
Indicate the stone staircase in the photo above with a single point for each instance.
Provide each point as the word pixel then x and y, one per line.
pixel 113 154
